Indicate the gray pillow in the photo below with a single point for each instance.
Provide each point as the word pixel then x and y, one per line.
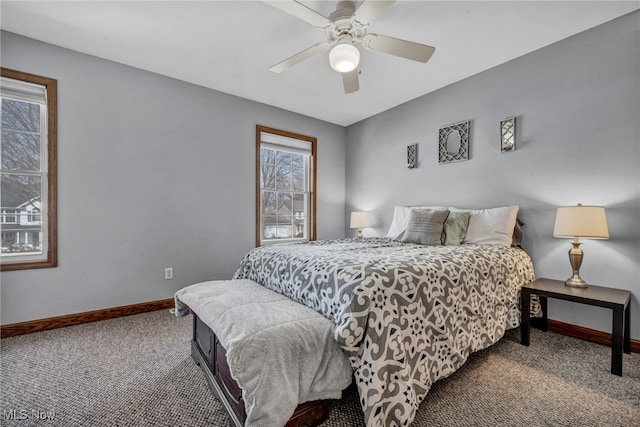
pixel 455 228
pixel 425 227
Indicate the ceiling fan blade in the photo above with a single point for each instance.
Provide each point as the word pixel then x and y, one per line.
pixel 403 48
pixel 350 81
pixel 301 11
pixel 300 56
pixel 371 10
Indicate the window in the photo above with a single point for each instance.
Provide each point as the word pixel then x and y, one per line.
pixel 33 215
pixel 285 186
pixel 9 216
pixel 28 173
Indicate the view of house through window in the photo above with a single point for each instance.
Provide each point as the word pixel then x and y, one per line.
pixel 285 186
pixel 25 171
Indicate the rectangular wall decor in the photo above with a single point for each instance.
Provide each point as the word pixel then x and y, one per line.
pixel 412 156
pixel 453 144
pixel 508 134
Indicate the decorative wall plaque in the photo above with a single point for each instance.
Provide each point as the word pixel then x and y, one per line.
pixel 412 156
pixel 508 134
pixel 453 143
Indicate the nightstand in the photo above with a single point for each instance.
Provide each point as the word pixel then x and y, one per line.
pixel 615 299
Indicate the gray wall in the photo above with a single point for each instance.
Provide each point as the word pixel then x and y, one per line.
pixel 577 103
pixel 153 173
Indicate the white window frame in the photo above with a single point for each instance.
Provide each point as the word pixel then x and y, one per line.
pixel 288 142
pixel 39 90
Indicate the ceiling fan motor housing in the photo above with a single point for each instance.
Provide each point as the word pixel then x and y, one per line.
pixel 344 28
pixel 345 9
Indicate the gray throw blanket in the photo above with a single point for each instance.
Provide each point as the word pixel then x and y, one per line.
pixel 280 352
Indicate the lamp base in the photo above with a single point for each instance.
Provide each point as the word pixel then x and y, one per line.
pixel 575 258
pixel 359 233
pixel 575 282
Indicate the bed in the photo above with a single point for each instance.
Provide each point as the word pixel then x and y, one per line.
pixel 406 314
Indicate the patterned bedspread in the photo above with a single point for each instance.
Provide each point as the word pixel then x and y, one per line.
pixel 406 315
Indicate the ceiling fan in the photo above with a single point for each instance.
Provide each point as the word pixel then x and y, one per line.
pixel 345 28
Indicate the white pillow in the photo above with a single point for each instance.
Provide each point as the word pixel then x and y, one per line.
pixel 491 226
pixel 399 222
pixel 401 218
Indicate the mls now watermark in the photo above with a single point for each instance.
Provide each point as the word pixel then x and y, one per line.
pixel 23 414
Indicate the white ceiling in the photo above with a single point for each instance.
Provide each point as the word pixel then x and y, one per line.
pixel 230 45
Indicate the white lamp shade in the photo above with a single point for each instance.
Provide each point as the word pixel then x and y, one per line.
pixel 360 220
pixel 344 57
pixel 589 222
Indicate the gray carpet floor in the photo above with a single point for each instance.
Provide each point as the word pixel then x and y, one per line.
pixel 137 371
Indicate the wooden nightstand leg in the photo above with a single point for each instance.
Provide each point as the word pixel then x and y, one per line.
pixel 627 336
pixel 545 312
pixel 616 341
pixel 525 303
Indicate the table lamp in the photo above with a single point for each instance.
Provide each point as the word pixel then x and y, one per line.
pixel 588 222
pixel 360 220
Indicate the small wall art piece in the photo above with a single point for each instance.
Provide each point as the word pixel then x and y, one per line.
pixel 508 134
pixel 453 145
pixel 412 156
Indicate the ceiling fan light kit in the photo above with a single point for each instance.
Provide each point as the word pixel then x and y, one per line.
pixel 344 57
pixel 345 28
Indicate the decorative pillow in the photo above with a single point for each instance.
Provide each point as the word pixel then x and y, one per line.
pixel 491 226
pixel 425 227
pixel 401 218
pixel 455 228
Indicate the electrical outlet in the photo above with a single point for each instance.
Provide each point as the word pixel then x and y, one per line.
pixel 168 273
